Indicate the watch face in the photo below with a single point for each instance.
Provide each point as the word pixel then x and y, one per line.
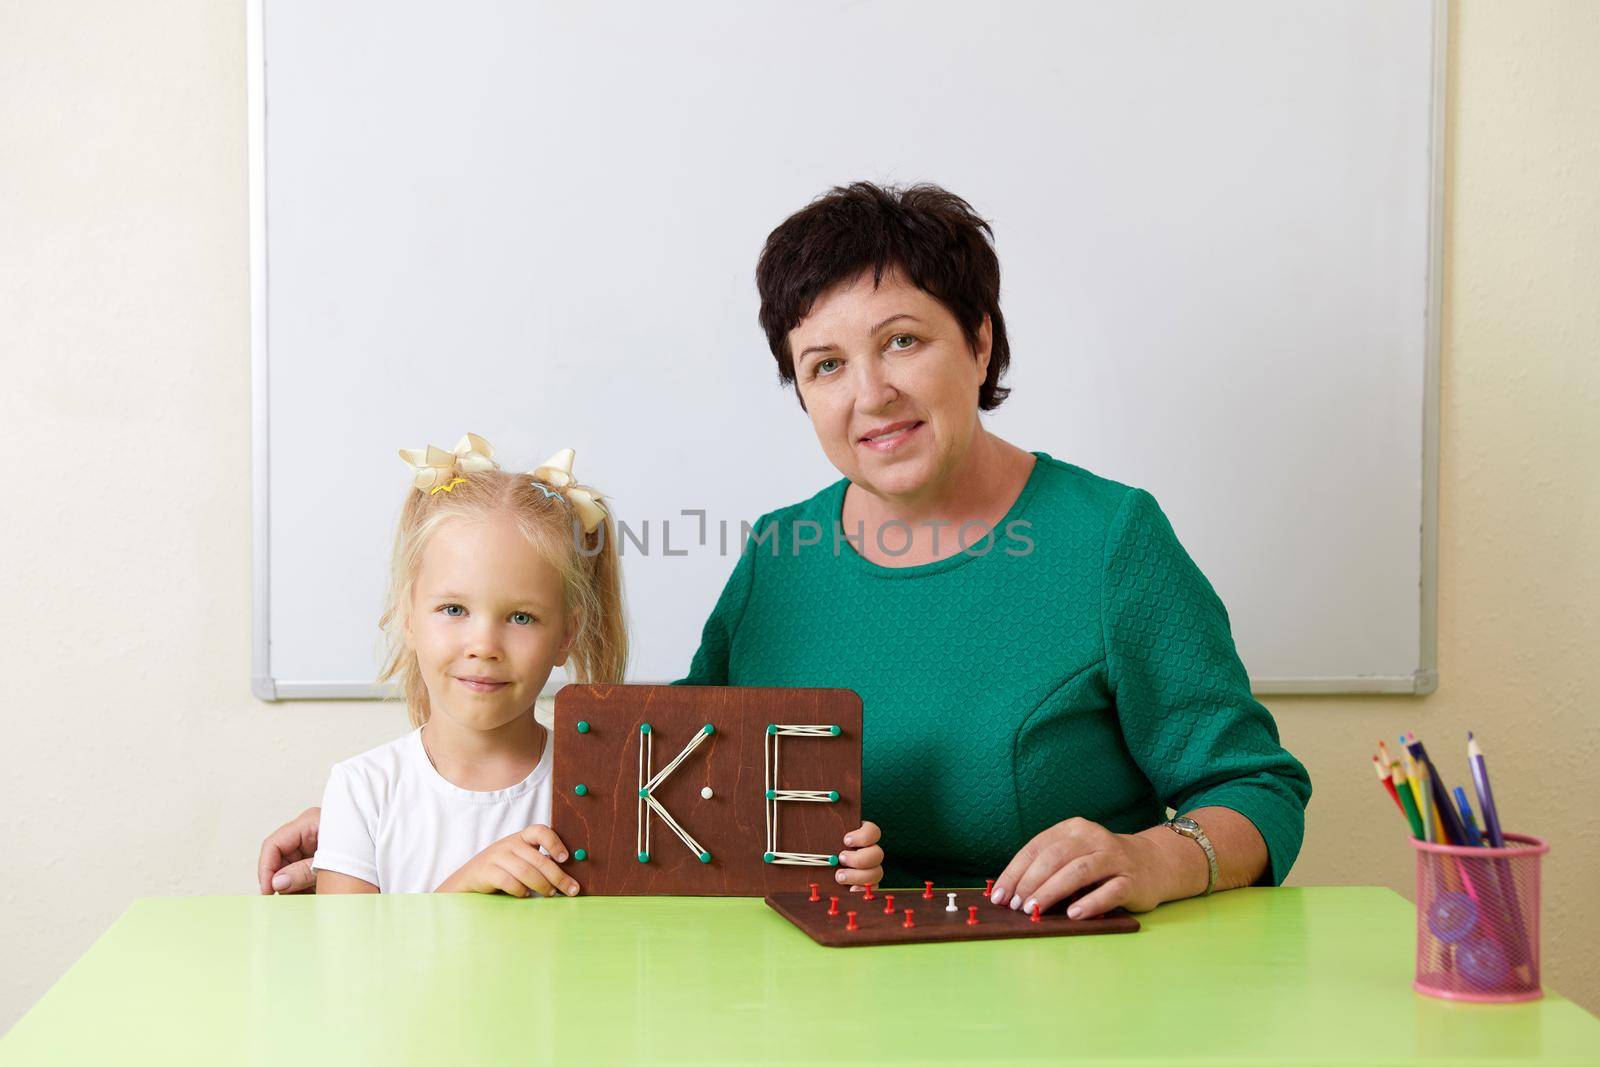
pixel 1185 824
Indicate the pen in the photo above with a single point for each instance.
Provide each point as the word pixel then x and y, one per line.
pixel 1474 838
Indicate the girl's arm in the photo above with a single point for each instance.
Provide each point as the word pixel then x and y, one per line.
pixel 334 882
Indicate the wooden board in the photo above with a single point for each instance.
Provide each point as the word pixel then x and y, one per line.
pixel 932 921
pixel 603 756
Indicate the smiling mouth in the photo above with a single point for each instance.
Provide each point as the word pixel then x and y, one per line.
pixel 891 434
pixel 482 685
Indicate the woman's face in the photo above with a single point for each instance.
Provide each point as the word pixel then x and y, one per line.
pixel 890 383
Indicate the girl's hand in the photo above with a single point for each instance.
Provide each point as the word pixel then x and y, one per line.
pixel 1128 871
pixel 862 864
pixel 514 865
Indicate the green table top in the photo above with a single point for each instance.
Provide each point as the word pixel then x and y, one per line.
pixel 1304 976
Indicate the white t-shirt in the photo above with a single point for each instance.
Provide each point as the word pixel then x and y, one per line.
pixel 390 819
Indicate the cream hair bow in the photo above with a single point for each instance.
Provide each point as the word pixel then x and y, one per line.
pixel 435 470
pixel 557 471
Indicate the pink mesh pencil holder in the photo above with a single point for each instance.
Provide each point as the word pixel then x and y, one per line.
pixel 1478 920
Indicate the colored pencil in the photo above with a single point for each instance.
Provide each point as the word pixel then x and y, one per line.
pixel 1454 832
pixel 1434 831
pixel 1388 786
pixel 1407 803
pixel 1430 821
pixel 1480 779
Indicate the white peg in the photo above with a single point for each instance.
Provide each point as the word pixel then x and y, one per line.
pixel 706 793
pixel 952 905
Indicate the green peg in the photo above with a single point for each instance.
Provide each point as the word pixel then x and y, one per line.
pixel 581 854
pixel 583 727
pixel 581 789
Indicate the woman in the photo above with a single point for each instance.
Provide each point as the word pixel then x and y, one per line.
pixel 1044 669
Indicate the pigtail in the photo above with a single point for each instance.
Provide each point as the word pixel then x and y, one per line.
pixel 399 662
pixel 600 653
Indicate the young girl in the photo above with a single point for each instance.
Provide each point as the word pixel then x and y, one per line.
pixel 496 579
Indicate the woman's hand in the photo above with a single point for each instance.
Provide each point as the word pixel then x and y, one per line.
pixel 284 865
pixel 514 865
pixel 861 864
pixel 1129 870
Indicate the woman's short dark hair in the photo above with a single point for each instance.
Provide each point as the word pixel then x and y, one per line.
pixel 928 234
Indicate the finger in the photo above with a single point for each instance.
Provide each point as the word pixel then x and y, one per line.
pixel 871 856
pixel 295 878
pixel 267 864
pixel 294 840
pixel 1061 834
pixel 855 879
pixel 552 872
pixel 1047 862
pixel 277 852
pixel 865 834
pixel 1110 895
pixel 504 880
pixel 543 835
pixel 1085 870
pixel 1005 886
pixel 529 875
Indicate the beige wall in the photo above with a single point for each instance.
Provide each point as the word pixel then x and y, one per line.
pixel 136 761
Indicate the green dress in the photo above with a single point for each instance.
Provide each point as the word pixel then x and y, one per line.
pixel 1079 665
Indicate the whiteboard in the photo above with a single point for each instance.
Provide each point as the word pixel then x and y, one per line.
pixel 1218 227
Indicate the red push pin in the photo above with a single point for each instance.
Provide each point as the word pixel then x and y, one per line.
pixel 833 905
pixel 868 895
pixel 927 890
pixel 988 887
pixel 972 915
pixel 813 898
pixel 888 903
pixel 908 924
pixel 850 921
pixel 1035 916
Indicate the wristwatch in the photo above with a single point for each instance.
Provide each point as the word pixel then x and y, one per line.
pixel 1191 829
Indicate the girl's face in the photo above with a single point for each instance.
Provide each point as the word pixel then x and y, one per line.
pixel 488 622
pixel 890 383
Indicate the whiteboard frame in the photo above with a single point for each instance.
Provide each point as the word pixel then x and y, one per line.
pixel 1422 681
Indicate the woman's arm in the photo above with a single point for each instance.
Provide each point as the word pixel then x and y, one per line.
pixel 1183 698
pixel 1208 747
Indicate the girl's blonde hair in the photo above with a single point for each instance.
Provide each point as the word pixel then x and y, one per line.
pixel 587 562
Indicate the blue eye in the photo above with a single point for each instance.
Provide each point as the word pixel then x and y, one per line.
pixel 894 341
pixel 451 609
pixel 522 618
pixel 825 367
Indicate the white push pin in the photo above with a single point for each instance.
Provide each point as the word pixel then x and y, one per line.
pixel 952 905
pixel 705 793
